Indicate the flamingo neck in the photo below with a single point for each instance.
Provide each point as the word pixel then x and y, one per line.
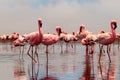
pixel 40 31
pixel 59 32
pixel 113 31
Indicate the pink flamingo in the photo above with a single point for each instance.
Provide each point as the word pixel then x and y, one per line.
pixel 34 39
pixel 4 37
pixel 62 35
pixel 13 36
pixel 50 39
pixel 68 38
pixel 107 38
pixel 89 41
pixel 82 32
pixel 20 42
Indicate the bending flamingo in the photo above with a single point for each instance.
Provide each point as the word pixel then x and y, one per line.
pixel 13 36
pixel 34 39
pixel 21 43
pixel 107 38
pixel 89 41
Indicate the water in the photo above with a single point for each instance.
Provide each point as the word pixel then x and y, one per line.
pixel 66 65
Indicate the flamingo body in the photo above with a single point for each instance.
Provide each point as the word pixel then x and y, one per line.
pixel 49 39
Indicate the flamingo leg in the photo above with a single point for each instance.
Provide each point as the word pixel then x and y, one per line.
pixel 101 71
pixel 118 43
pixel 92 49
pixel 101 48
pixel 86 49
pixel 108 53
pixel 22 51
pixel 37 59
pixel 74 47
pixel 47 61
pixel 30 55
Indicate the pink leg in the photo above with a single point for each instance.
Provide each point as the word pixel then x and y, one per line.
pixel 47 61
pixel 86 49
pixel 30 55
pixel 101 48
pixel 108 52
pixel 92 49
pixel 36 47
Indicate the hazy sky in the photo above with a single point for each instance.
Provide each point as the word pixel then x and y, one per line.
pixel 21 15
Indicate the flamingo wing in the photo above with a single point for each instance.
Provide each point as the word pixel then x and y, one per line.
pixel 103 36
pixel 48 39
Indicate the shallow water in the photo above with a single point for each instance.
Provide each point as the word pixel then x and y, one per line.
pixel 69 64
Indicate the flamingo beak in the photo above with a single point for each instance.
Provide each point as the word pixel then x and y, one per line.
pixel 115 25
pixel 40 23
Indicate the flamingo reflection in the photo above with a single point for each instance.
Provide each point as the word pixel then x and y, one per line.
pixel 47 77
pixel 33 69
pixel 107 73
pixel 89 67
pixel 19 70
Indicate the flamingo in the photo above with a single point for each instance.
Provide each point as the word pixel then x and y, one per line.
pixel 107 38
pixel 82 32
pixel 13 36
pixel 67 38
pixel 4 37
pixel 20 42
pixel 34 39
pixel 62 35
pixel 89 41
pixel 50 39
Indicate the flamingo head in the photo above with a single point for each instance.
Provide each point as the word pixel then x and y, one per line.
pixel 82 27
pixel 73 33
pixel 40 22
pixel 84 41
pixel 114 22
pixel 101 31
pixel 58 30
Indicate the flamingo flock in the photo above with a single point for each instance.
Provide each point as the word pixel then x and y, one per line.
pixel 86 38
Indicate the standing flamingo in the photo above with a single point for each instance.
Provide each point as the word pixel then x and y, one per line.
pixel 21 43
pixel 50 39
pixel 34 39
pixel 107 38
pixel 82 32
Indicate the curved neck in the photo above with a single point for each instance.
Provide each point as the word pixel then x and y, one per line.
pixel 40 28
pixel 113 31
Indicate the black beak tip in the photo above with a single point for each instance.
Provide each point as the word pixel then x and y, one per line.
pixel 115 26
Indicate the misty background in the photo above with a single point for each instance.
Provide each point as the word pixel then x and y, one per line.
pixel 21 15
